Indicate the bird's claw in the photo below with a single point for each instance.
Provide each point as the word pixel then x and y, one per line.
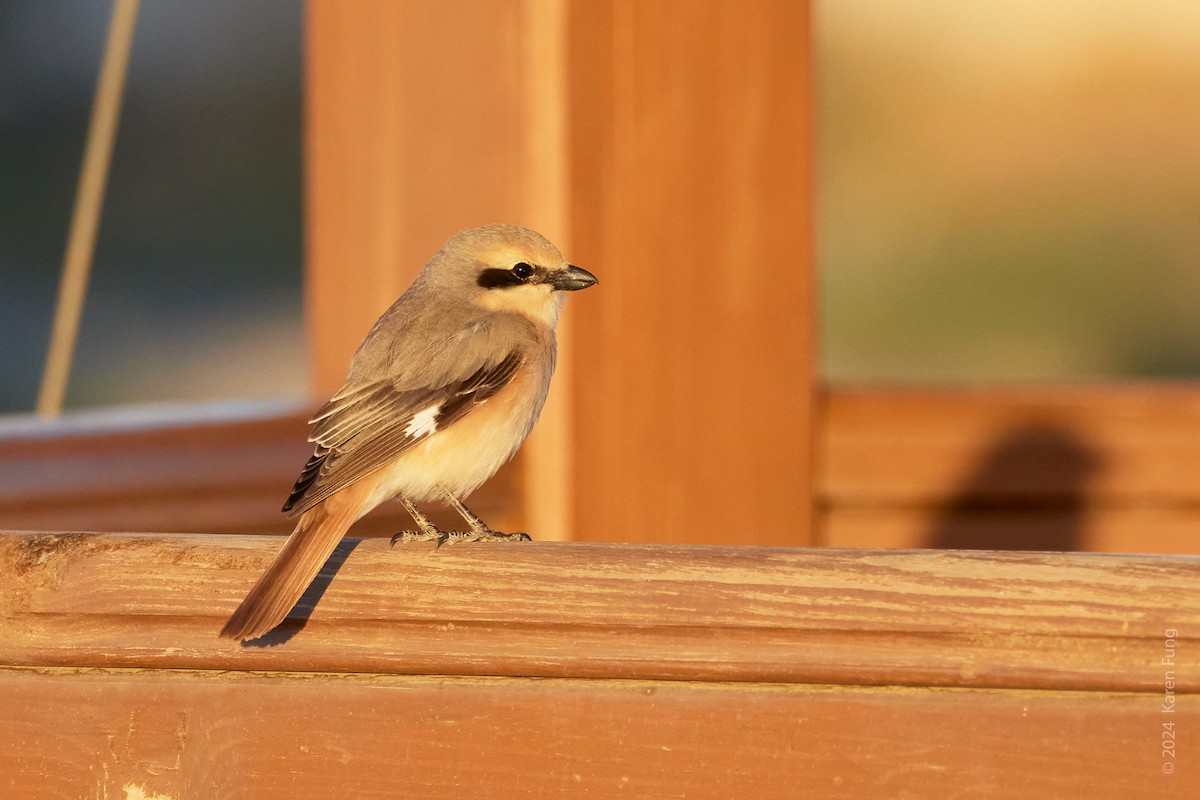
pixel 442 537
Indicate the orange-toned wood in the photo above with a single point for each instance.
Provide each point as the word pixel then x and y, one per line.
pixel 645 612
pixel 1069 467
pixel 223 468
pixel 1084 528
pixel 218 735
pixel 690 167
pixel 418 123
pixel 924 445
pixel 423 118
pixel 595 670
pixel 667 147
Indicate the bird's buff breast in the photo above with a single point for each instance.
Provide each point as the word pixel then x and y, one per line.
pixel 464 455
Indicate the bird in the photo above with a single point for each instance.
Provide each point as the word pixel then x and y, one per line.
pixel 441 392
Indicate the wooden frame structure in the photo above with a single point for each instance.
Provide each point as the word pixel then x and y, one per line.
pixel 666 146
pixel 596 670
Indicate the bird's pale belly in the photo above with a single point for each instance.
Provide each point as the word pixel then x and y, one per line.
pixel 464 455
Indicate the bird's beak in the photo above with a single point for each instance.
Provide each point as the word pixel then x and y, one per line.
pixel 571 279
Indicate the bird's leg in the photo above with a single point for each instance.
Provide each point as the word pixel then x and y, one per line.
pixel 480 532
pixel 428 529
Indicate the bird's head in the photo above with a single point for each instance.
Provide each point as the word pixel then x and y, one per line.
pixel 508 268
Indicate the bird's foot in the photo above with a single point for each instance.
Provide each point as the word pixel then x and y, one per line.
pixel 442 537
pixel 433 535
pixel 489 535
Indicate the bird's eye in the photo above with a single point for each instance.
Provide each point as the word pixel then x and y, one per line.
pixel 522 270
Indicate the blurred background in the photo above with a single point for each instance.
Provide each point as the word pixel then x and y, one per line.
pixel 1007 191
pixel 195 290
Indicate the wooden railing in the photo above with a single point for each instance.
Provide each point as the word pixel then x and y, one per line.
pixel 589 670
pixel 594 670
pixel 219 468
pixel 1106 467
pixel 1098 468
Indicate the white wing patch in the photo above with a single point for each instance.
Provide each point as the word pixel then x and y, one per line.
pixel 424 422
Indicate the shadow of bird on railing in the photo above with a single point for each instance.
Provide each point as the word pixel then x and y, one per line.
pixel 1028 492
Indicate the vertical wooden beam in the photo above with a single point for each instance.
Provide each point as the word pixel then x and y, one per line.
pixel 547 457
pixel 663 145
pixel 690 157
pixel 417 125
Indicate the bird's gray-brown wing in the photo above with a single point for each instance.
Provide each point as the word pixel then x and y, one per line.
pixel 365 428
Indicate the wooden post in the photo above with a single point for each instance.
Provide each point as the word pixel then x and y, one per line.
pixel 418 121
pixel 423 118
pixel 665 146
pixel 694 387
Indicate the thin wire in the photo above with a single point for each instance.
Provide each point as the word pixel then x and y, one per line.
pixel 89 200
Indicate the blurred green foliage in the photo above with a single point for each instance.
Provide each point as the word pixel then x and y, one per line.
pixel 1008 191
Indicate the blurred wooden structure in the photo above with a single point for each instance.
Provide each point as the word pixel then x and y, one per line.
pixel 665 146
pixel 1099 468
pixel 218 469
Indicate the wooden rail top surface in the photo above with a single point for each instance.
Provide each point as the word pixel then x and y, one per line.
pixel 846 617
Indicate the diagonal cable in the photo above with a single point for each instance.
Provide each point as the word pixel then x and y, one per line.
pixel 89 200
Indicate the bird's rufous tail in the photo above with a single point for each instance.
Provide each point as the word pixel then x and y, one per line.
pixel 312 542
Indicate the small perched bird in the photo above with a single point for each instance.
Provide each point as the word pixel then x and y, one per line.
pixel 442 391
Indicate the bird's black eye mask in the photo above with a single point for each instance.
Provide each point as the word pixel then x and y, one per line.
pixel 500 278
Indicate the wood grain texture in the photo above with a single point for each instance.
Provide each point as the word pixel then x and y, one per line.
pixel 184 734
pixel 690 163
pixel 924 618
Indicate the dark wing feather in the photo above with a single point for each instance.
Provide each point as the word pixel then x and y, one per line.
pixel 362 430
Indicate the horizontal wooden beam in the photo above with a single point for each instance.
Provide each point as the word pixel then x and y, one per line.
pixel 1137 444
pixel 850 617
pixel 1091 528
pixel 224 467
pixel 1106 468
pixel 1102 468
pixel 182 734
pixel 598 671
